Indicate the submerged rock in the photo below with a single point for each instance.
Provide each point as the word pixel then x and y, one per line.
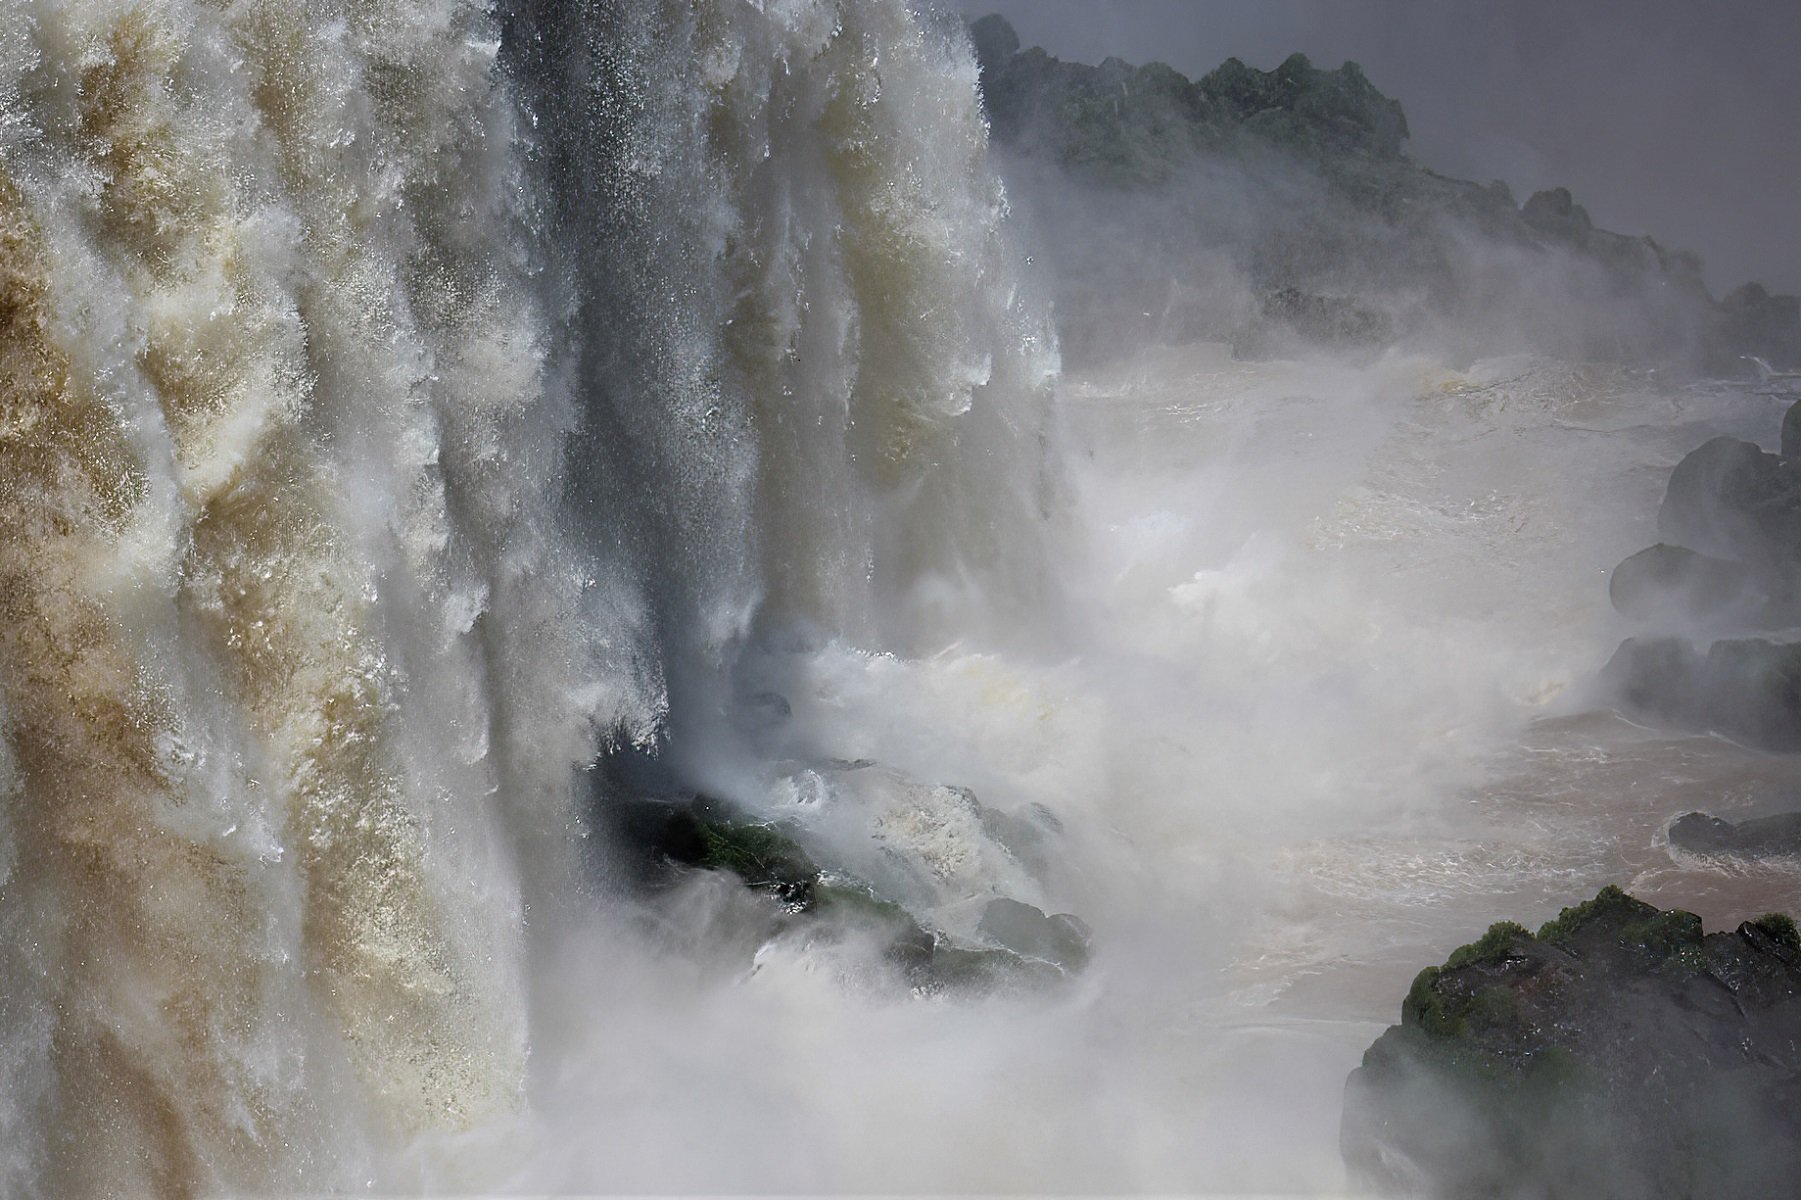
pixel 1618 1054
pixel 1760 837
pixel 1747 689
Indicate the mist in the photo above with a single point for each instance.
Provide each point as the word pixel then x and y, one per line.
pixel 641 598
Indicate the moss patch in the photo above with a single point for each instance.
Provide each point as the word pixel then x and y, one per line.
pixel 1781 927
pixel 1492 947
pixel 1609 902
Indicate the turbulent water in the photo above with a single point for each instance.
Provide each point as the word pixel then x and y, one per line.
pixel 403 404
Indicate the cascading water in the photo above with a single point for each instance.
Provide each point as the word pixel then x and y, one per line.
pixel 310 610
pixel 404 405
pixel 297 658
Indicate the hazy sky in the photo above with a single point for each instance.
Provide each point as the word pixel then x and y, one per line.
pixel 1681 120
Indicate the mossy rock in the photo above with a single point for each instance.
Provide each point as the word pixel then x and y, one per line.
pixel 1595 1059
pixel 1610 905
pixel 1779 927
pixel 1493 946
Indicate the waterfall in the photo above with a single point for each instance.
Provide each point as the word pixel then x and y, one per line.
pixel 401 402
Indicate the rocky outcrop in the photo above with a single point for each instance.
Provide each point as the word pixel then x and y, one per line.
pixel 1178 207
pixel 1751 321
pixel 657 833
pixel 1618 1054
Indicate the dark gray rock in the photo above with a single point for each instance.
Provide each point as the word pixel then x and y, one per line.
pixel 1730 499
pixel 1031 834
pixel 1061 940
pixel 1556 214
pixel 1665 583
pixel 1791 430
pixel 1619 1054
pixel 995 42
pixel 1746 689
pixel 1291 318
pixel 1757 838
pixel 1754 322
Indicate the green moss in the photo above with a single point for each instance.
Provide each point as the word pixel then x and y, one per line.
pixel 758 854
pixel 1425 1007
pixel 837 899
pixel 1496 1007
pixel 1609 900
pixel 1780 926
pixel 1492 947
pixel 1557 1070
pixel 1674 934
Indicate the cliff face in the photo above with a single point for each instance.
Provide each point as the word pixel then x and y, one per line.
pixel 1278 209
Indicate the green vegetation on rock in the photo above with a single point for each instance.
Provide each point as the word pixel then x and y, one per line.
pixel 1493 946
pixel 1606 1048
pixel 1610 901
pixel 1781 927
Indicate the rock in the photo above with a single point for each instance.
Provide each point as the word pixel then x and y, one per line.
pixel 1760 837
pixel 659 833
pixel 1618 1054
pixel 1219 189
pixel 1791 430
pixel 931 961
pixel 1730 499
pixel 1556 214
pixel 994 41
pixel 1061 940
pixel 1030 834
pixel 1747 689
pixel 1753 322
pixel 1291 316
pixel 1672 583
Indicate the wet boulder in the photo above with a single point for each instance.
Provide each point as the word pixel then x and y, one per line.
pixel 1617 1054
pixel 1747 689
pixel 1730 499
pixel 1060 939
pixel 1758 838
pixel 1665 583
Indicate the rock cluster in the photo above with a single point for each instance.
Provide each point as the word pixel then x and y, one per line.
pixel 1730 565
pixel 660 832
pixel 1278 209
pixel 1617 1054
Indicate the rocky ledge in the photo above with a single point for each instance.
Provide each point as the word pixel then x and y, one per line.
pixel 660 834
pixel 1279 209
pixel 1619 1053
